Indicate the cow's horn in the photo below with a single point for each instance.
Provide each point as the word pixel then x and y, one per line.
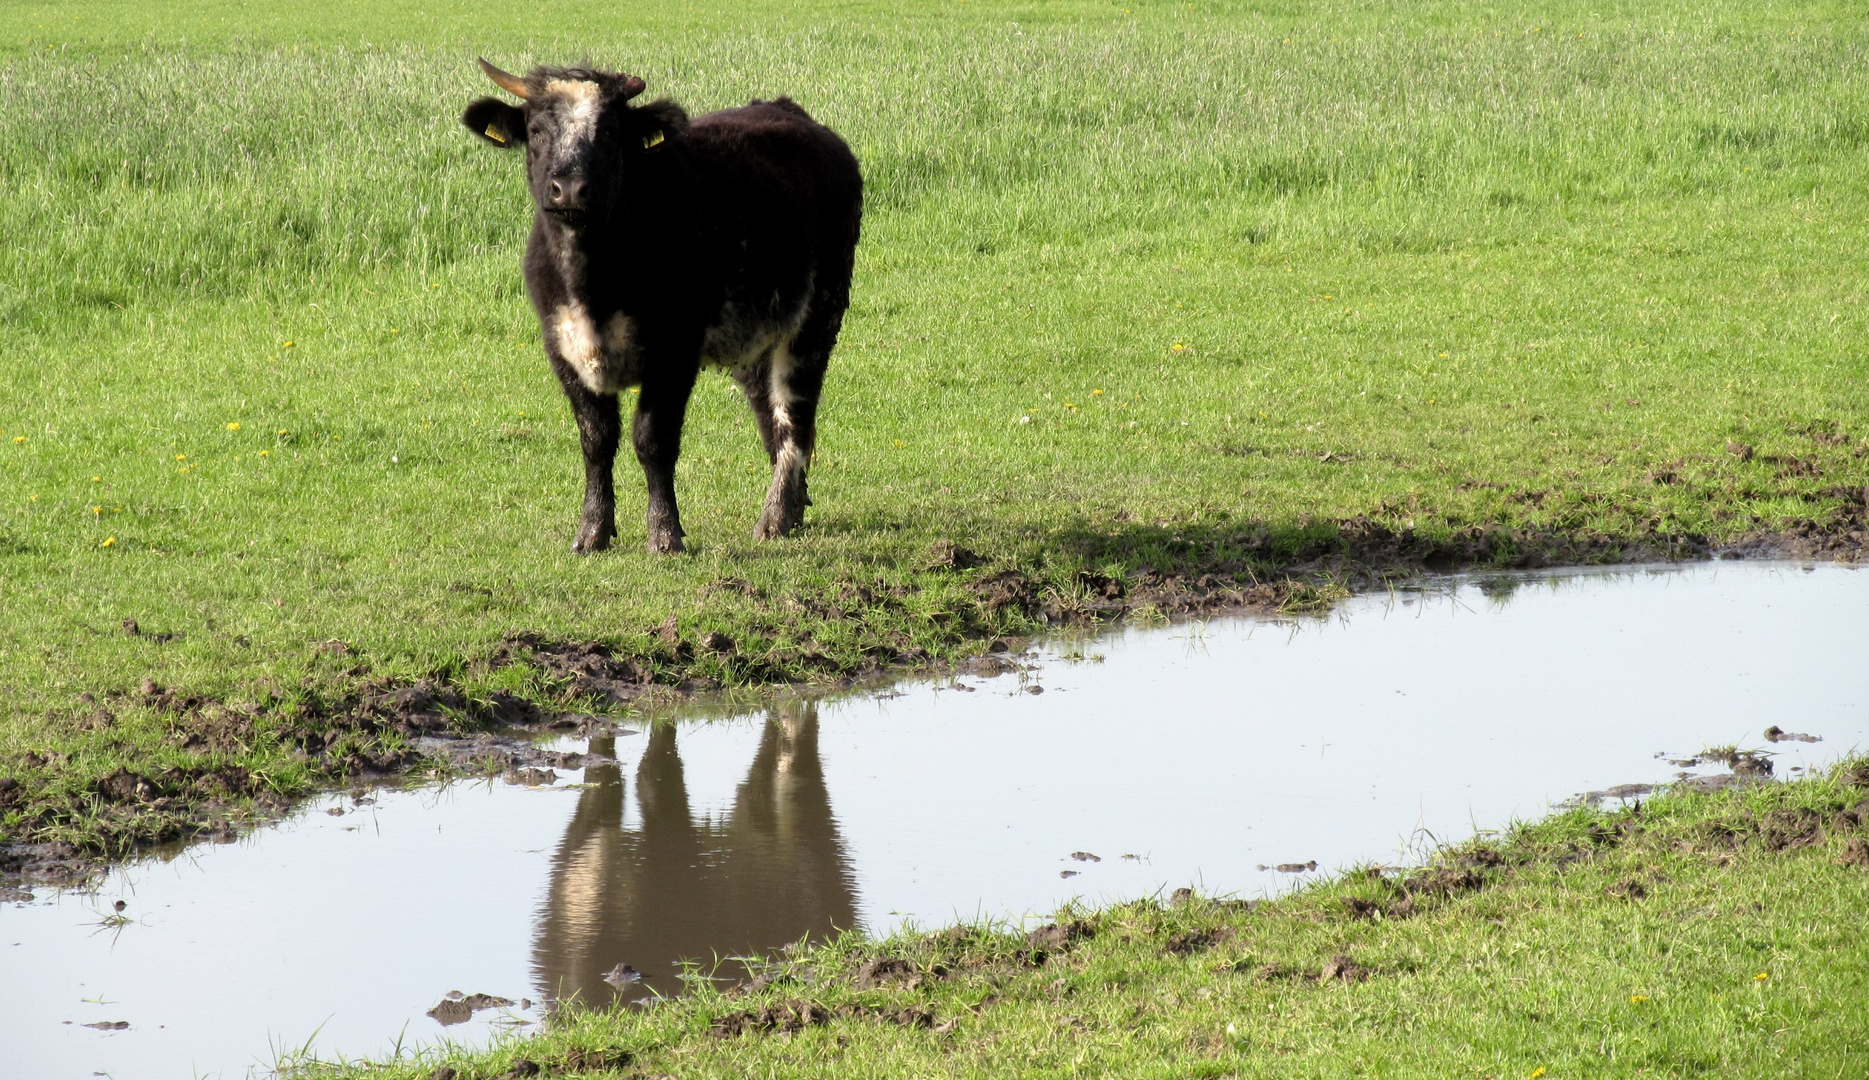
pixel 505 80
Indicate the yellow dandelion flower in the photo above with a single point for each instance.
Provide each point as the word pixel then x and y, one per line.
pixel 288 345
pixel 1637 999
pixel 898 443
pixel 19 438
pixel 96 510
pixel 109 541
pixel 263 453
pixel 181 457
pixel 1099 393
pixel 97 479
pixel 1538 1072
pixel 1761 976
pixel 1443 356
pixel 234 426
pixel 282 431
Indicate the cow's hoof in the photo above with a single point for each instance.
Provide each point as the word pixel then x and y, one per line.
pixel 666 544
pixel 772 527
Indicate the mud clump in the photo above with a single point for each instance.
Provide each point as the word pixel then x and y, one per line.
pixel 578 1059
pixel 1008 590
pixel 590 667
pixel 1341 968
pixel 1783 830
pixel 124 786
pixel 947 555
pixel 884 971
pixel 1362 908
pixel 1443 882
pixel 1777 734
pixel 1190 942
pixel 1058 937
pixel 1855 853
pixel 1627 890
pixel 790 1017
pixel 786 1017
pixel 423 706
pixel 991 666
pixel 457 1007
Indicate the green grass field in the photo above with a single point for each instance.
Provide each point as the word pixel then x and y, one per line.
pixel 1200 287
pixel 1172 285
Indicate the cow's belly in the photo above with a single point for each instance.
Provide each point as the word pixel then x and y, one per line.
pixel 740 339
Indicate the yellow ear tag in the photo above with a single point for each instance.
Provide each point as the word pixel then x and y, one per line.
pixel 494 133
pixel 652 140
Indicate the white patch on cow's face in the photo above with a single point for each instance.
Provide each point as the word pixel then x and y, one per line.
pixel 575 105
pixel 576 337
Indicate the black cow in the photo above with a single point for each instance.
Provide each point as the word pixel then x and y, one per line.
pixel 664 243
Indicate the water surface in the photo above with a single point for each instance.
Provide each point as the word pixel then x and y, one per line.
pixel 1194 754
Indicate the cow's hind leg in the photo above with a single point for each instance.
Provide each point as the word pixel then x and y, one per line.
pixel 794 379
pixel 600 429
pixel 756 383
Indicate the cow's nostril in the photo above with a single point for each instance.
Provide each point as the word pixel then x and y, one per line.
pixel 566 193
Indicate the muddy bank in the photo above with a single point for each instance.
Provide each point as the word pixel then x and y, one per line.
pixel 244 762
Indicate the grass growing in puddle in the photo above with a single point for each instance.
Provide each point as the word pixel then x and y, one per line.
pixel 1157 303
pixel 1693 934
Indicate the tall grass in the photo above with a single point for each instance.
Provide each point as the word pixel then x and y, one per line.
pixel 1251 263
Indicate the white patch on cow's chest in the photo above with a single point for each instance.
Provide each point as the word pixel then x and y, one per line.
pixel 604 363
pixel 578 103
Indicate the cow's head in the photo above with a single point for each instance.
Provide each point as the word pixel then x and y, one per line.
pixel 581 135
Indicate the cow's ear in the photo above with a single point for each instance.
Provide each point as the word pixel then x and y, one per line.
pixel 496 121
pixel 658 122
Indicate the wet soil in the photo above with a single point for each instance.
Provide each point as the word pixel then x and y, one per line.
pixel 353 729
pixel 758 832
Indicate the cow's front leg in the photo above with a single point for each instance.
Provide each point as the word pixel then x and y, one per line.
pixel 659 413
pixel 795 381
pixel 600 429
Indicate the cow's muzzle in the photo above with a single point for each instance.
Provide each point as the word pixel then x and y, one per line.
pixel 564 196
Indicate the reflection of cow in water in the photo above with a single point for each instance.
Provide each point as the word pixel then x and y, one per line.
pixel 676 888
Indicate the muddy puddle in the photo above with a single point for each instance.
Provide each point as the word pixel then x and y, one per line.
pixel 1237 756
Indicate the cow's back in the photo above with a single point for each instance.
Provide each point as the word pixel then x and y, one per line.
pixel 769 172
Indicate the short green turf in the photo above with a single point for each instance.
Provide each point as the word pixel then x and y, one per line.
pixel 1130 272
pixel 1695 936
